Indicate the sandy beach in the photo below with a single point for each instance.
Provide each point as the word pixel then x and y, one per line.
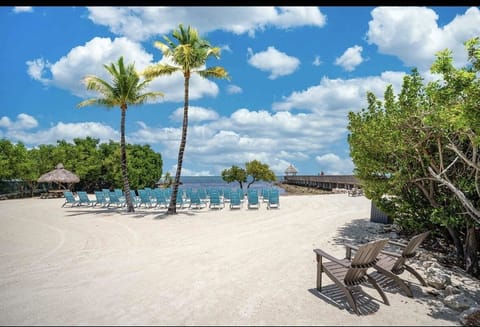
pixel 100 266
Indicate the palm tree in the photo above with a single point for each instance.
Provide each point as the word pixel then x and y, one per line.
pixel 189 56
pixel 126 89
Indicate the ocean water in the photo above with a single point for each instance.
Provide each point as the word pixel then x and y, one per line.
pixel 196 182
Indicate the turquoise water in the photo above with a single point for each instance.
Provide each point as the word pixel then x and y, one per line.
pixel 195 182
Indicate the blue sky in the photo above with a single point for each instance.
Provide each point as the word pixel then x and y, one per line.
pixel 295 72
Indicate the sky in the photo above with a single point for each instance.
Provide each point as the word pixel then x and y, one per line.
pixel 295 74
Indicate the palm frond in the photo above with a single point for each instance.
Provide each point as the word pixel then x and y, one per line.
pixel 125 89
pixel 97 101
pixel 158 70
pixel 163 47
pixel 95 83
pixel 214 72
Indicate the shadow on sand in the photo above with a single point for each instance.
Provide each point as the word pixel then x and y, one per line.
pixel 359 231
pixel 155 213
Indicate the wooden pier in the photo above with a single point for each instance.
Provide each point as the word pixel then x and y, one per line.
pixel 324 182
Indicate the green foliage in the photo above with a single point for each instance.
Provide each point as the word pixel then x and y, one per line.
pixel 259 172
pixel 97 165
pixel 235 174
pixel 126 88
pixel 15 162
pixel 418 154
pixel 254 169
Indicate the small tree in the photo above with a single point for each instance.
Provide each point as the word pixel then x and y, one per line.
pixel 235 174
pixel 422 149
pixel 259 172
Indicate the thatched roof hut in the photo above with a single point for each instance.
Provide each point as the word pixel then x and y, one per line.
pixel 291 171
pixel 59 175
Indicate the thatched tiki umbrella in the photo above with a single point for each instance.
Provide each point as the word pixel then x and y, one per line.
pixel 60 176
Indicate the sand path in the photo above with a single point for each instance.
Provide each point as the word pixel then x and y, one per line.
pixel 85 266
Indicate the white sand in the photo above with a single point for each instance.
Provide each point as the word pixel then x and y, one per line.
pixel 86 266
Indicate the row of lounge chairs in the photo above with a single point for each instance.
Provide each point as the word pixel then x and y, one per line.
pixel 189 198
pixel 352 272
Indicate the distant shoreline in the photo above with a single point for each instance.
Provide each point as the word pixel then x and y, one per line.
pixel 300 190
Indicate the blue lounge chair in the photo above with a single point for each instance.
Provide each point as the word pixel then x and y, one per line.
pixel 119 193
pixel 113 199
pixel 273 199
pixel 83 199
pixel 160 198
pixel 195 201
pixel 235 202
pixel 70 199
pixel 252 198
pixel 145 199
pixel 181 201
pixel 215 201
pixel 100 199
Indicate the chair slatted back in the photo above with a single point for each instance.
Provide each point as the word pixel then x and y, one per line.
pixel 365 257
pixel 409 252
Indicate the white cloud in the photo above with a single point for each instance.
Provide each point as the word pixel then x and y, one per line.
pixel 317 61
pixel 276 137
pixel 332 164
pixel 195 114
pixel 351 58
pixel 17 131
pixel 22 9
pixel 273 61
pixel 333 98
pixel 413 34
pixel 67 73
pixel 234 89
pixel 142 23
pixel 37 69
pixel 23 121
pixel 5 122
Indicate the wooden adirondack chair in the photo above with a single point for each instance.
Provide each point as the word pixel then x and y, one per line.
pixel 393 264
pixel 348 273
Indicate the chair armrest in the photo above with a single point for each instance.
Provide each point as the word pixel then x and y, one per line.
pixel 352 246
pixel 324 254
pixel 349 247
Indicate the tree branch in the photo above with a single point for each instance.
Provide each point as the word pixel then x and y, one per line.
pixel 472 211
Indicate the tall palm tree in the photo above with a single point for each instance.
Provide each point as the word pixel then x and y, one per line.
pixel 189 56
pixel 125 89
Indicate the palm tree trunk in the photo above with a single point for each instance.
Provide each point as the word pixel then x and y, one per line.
pixel 123 150
pixel 172 208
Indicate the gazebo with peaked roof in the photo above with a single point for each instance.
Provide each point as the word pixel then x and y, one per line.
pixel 60 176
pixel 291 171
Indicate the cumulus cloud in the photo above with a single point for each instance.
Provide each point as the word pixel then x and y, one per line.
pixel 273 61
pixel 316 116
pixel 317 61
pixel 333 98
pixel 18 131
pixel 234 89
pixel 335 165
pixel 142 23
pixel 23 121
pixel 413 34
pixel 195 114
pixel 37 69
pixel 22 9
pixel 350 59
pixel 88 59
